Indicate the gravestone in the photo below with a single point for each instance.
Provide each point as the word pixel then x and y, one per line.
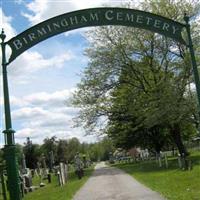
pixel 159 158
pixel 23 164
pixel 179 161
pixel 39 172
pixel 59 178
pixel 62 174
pixel 166 161
pixel 51 158
pixel 26 182
pixel 44 168
pixel 65 172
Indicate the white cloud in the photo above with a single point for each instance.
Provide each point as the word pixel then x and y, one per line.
pixel 31 61
pixel 26 132
pixel 5 23
pixel 34 61
pixel 37 135
pixel 14 101
pixel 58 98
pixel 38 123
pixel 19 1
pixel 42 115
pixel 43 119
pixel 41 10
pixel 28 113
pixel 38 11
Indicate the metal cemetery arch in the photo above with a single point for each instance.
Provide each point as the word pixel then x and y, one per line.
pixel 94 17
pixel 71 21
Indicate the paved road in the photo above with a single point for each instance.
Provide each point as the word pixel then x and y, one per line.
pixel 108 183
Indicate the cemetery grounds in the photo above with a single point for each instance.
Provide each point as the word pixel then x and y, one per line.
pixel 172 182
pixel 52 191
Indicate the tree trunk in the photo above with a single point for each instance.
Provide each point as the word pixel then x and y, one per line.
pixel 157 144
pixel 176 134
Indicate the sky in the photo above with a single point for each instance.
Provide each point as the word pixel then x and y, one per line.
pixel 42 79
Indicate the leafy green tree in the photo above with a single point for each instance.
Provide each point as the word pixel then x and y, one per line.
pixel 62 151
pixel 153 70
pixel 19 152
pixel 49 145
pixel 73 147
pixel 100 150
pixel 107 148
pixel 32 153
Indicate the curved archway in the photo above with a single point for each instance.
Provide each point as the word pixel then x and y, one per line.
pixel 94 17
pixel 74 20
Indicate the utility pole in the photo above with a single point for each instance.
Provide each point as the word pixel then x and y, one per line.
pixel 10 147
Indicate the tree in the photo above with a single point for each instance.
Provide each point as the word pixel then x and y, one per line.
pixel 19 152
pixel 73 147
pixel 127 125
pixel 32 153
pixel 62 151
pixel 154 71
pixel 100 150
pixel 49 145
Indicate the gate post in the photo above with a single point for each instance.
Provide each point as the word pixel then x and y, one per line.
pixel 193 61
pixel 10 147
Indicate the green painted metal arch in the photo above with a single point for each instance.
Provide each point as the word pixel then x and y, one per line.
pixel 94 17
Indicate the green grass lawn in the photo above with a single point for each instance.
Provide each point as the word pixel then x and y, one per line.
pixel 54 192
pixel 172 183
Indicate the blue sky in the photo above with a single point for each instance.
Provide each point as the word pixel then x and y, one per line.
pixel 44 77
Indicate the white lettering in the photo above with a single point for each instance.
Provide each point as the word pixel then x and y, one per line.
pixel 64 23
pixel 157 23
pixel 165 27
pixel 94 17
pixel 31 36
pixel 119 16
pixel 41 32
pixel 129 17
pixel 73 19
pixel 49 27
pixel 107 15
pixel 175 29
pixel 139 19
pixel 56 25
pixel 24 39
pixel 18 44
pixel 83 19
pixel 149 19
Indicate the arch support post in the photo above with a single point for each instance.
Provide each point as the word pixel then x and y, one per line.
pixel 193 61
pixel 10 147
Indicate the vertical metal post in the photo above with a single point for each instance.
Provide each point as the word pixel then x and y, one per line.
pixel 3 186
pixel 193 61
pixel 10 148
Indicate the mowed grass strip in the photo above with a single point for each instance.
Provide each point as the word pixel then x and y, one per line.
pixel 53 191
pixel 172 183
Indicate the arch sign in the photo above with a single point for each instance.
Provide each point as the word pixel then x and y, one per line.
pixel 94 17
pixel 70 21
